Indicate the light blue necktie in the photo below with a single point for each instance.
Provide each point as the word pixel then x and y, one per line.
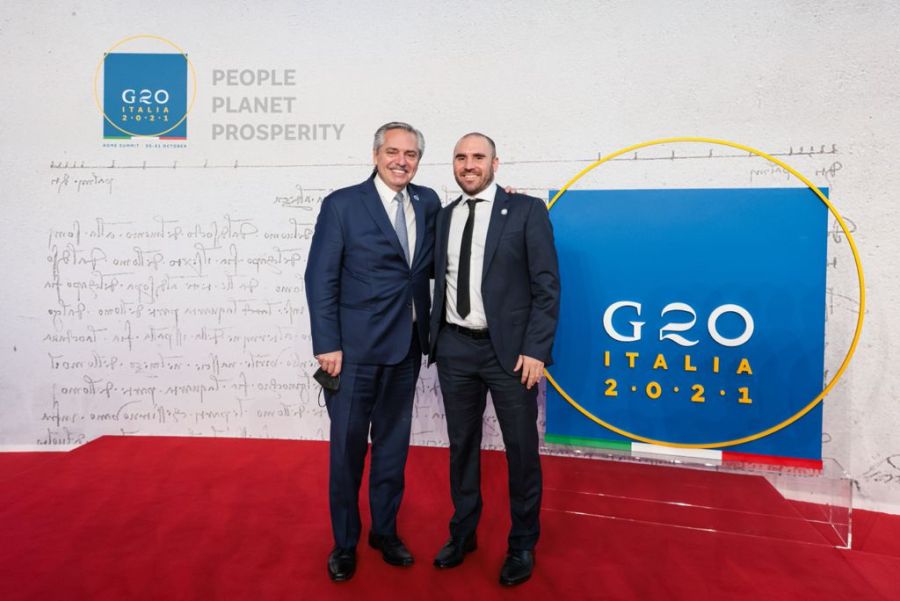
pixel 400 226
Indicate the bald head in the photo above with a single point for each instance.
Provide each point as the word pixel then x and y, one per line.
pixel 483 137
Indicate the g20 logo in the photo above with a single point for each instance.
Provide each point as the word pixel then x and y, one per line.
pixel 668 330
pixel 678 318
pixel 145 96
pixel 145 90
pixel 144 105
pixel 706 334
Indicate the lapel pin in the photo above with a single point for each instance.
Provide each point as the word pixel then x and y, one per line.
pixel 503 211
pixel 415 197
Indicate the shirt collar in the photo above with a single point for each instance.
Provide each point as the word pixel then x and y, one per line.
pixel 385 193
pixel 487 195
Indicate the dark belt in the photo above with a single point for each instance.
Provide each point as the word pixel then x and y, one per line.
pixel 476 334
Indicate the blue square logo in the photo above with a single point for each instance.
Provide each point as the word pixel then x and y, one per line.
pixel 145 95
pixel 691 317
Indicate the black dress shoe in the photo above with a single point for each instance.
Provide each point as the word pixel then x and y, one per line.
pixel 341 564
pixel 454 551
pixel 392 549
pixel 517 567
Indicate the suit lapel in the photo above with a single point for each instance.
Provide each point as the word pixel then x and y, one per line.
pixel 421 227
pixel 495 228
pixel 373 204
pixel 443 237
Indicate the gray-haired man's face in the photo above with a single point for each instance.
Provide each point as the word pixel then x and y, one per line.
pixel 397 159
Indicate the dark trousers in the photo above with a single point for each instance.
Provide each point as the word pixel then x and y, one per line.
pixel 376 399
pixel 467 370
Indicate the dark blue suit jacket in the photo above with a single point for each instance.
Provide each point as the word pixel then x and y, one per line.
pixel 520 278
pixel 359 288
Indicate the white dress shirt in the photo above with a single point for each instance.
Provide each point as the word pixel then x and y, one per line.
pixel 476 319
pixel 387 199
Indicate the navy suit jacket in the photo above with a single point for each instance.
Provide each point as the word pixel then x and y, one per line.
pixel 520 278
pixel 359 288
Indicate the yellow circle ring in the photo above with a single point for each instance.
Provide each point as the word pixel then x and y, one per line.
pixel 152 37
pixel 859 273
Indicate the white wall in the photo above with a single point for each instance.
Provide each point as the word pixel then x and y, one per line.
pixel 555 84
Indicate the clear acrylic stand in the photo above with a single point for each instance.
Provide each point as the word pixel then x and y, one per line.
pixel 803 505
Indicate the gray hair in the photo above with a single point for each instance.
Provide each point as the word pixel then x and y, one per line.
pixel 379 135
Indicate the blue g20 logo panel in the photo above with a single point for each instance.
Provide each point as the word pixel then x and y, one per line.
pixel 691 317
pixel 144 95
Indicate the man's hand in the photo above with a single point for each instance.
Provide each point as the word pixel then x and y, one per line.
pixel 531 370
pixel 331 362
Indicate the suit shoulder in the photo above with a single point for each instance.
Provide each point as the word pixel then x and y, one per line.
pixel 531 205
pixel 524 198
pixel 349 190
pixel 344 196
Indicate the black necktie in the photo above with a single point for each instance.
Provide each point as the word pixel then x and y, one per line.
pixel 465 258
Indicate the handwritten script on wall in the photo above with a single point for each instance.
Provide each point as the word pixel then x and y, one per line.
pixel 187 326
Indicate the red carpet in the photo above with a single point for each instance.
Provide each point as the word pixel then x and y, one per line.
pixel 189 518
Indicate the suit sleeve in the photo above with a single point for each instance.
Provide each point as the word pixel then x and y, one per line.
pixel 543 270
pixel 433 214
pixel 323 280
